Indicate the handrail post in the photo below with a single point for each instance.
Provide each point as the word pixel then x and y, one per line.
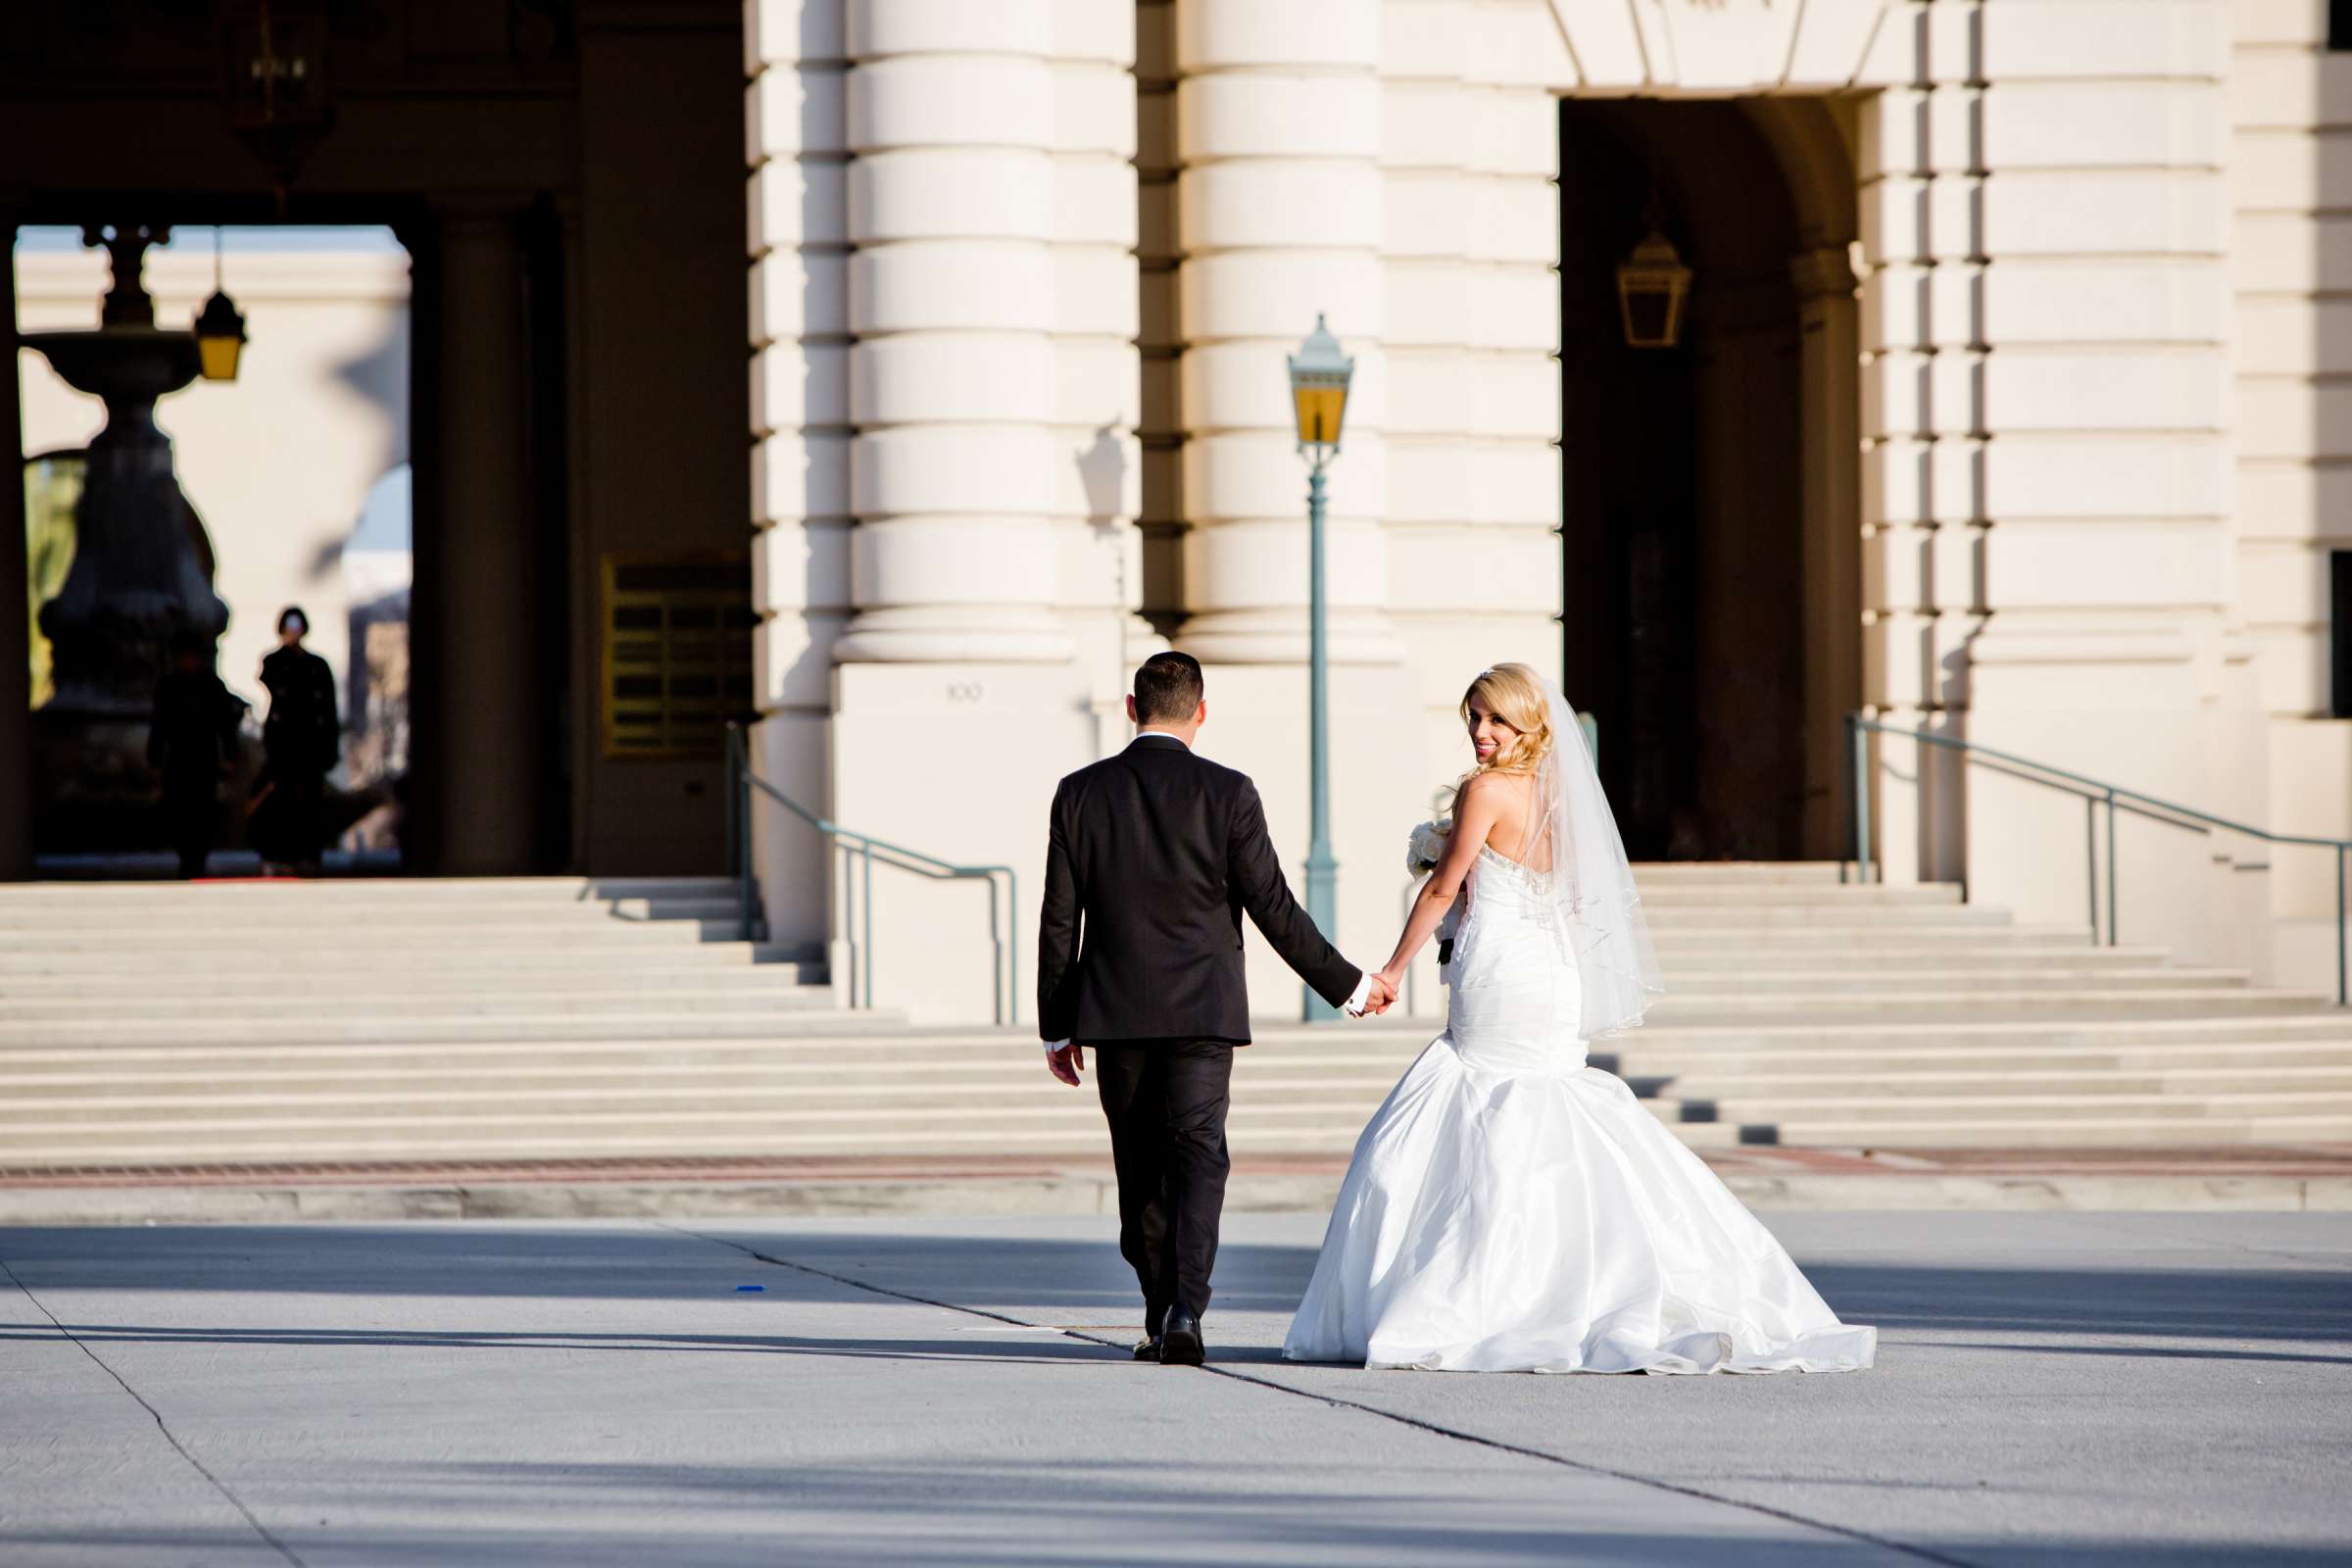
pixel 2091 861
pixel 1859 745
pixel 2113 911
pixel 2341 997
pixel 1012 946
pixel 996 959
pixel 866 904
pixel 1850 835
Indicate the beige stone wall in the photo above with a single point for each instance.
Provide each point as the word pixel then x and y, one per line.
pixel 2043 492
pixel 2291 162
pixel 277 462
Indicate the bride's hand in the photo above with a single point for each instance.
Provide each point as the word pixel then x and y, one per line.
pixel 1393 979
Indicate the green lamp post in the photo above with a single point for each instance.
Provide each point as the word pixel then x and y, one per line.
pixel 1319 377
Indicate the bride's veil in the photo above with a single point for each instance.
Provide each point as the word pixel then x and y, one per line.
pixel 1596 908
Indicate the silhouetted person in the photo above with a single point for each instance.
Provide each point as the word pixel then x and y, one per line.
pixel 301 739
pixel 193 741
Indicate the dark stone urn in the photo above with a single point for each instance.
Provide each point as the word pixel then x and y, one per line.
pixel 142 574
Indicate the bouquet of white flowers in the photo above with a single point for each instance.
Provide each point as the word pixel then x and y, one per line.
pixel 1427 844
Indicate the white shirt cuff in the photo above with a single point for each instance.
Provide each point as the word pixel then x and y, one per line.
pixel 1363 996
pixel 1052 1046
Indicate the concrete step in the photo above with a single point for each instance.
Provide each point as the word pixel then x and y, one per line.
pixel 1980 937
pixel 195 973
pixel 1683 955
pixel 1738 873
pixel 650 975
pixel 812 1017
pixel 531 890
pixel 519 998
pixel 781 1064
pixel 1886 1067
pixel 1990 1104
pixel 295 944
pixel 883 1043
pixel 676 968
pixel 1988 999
pixel 2149 1132
pixel 1873 977
pixel 982 1086
pixel 752 991
pixel 2077 1080
pixel 1674 893
pixel 360 924
pixel 1719 914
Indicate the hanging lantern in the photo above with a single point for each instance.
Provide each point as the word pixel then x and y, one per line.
pixel 1652 285
pixel 219 339
pixel 220 329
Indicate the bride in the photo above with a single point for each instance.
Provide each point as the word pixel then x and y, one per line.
pixel 1509 1208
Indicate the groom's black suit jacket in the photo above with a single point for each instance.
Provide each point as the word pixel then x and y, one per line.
pixel 1156 852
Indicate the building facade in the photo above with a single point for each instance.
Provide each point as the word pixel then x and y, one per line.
pixel 2008 408
pixel 2006 412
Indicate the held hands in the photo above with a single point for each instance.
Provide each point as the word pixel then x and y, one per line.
pixel 1378 997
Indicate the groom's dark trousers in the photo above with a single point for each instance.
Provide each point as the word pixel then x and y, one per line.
pixel 1153 858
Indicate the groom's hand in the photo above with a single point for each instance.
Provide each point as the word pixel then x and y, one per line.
pixel 1067 1063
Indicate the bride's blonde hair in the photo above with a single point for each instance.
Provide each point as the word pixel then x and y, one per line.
pixel 1514 694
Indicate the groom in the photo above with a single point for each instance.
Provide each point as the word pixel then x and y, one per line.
pixel 1154 853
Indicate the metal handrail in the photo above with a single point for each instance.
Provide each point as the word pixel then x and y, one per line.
pixel 857 891
pixel 2094 793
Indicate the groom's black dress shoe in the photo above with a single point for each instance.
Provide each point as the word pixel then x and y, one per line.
pixel 1180 1342
pixel 1147 1348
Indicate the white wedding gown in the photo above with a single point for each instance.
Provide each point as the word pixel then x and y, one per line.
pixel 1510 1209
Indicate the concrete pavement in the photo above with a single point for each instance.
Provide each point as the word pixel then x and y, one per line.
pixel 2094 1389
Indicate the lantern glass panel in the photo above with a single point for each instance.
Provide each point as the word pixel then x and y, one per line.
pixel 1321 406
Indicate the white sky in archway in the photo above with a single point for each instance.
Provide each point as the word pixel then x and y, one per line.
pixel 366 239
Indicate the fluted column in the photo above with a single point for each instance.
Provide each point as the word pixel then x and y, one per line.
pixel 795 59
pixel 1426 321
pixel 952 200
pixel 1278 213
pixel 1513 371
pixel 1097 410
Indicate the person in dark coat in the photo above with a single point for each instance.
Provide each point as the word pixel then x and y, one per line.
pixel 301 740
pixel 193 741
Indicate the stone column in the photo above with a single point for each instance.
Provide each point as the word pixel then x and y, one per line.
pixel 2049 480
pixel 1279 202
pixel 478 578
pixel 1509 562
pixel 951 375
pixel 1427 117
pixel 990 311
pixel 1096 408
pixel 16 694
pixel 1279 209
pixel 796 60
pixel 2293 299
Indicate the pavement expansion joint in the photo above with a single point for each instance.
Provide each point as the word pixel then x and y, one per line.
pixel 1086 1334
pixel 161 1424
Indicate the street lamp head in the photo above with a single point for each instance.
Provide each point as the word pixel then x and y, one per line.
pixel 1319 377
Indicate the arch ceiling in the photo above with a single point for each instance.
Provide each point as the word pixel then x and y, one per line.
pixel 1722 46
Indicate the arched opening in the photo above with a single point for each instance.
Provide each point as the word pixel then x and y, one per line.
pixel 1710 520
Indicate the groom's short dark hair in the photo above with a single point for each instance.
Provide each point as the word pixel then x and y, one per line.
pixel 1167 689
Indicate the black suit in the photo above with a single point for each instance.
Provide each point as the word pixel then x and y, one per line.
pixel 1152 860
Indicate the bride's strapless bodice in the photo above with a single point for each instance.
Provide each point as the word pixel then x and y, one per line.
pixel 1514 1003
